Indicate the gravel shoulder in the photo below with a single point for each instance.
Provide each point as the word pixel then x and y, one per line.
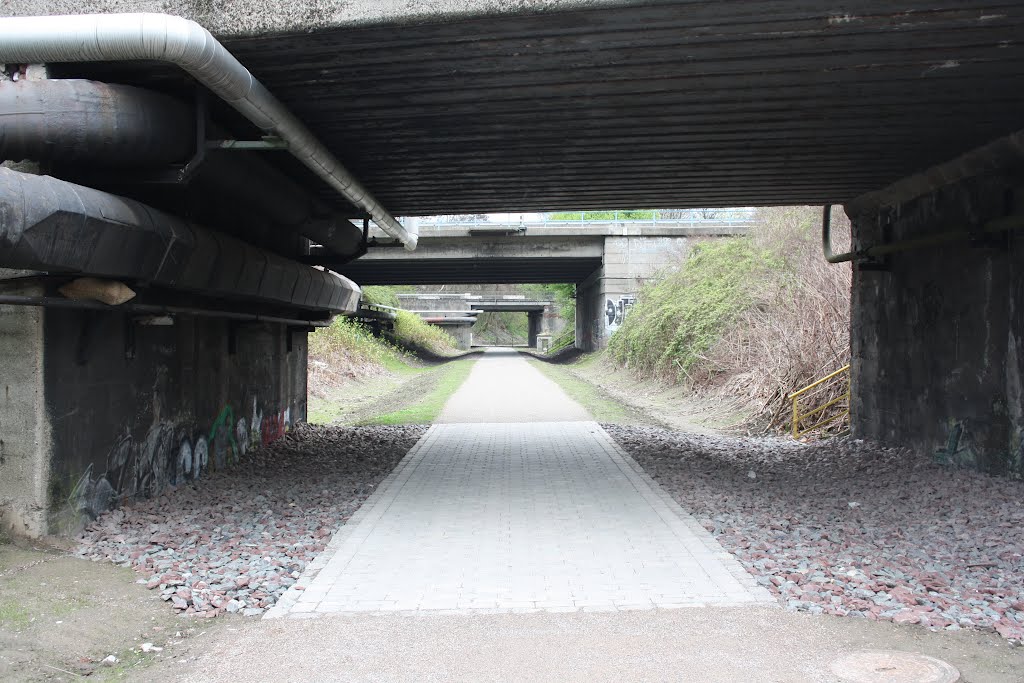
pixel 235 541
pixel 851 529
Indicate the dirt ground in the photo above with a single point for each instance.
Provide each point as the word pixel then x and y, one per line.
pixel 60 616
pixel 657 403
pixel 702 645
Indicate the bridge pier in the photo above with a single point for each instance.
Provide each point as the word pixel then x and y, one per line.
pixel 201 355
pixel 937 347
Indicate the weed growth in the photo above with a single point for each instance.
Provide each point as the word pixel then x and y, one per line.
pixel 678 318
pixel 411 330
pixel 753 318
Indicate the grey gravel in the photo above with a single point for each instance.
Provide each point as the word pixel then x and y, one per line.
pixel 236 540
pixel 850 528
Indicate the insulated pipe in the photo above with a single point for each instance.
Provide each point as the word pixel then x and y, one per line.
pixel 55 226
pixel 161 37
pixel 86 121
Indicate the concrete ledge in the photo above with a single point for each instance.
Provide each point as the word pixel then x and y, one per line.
pixel 237 18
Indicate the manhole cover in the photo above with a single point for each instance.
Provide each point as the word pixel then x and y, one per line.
pixel 889 666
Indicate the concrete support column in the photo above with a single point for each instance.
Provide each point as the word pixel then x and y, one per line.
pixel 533 323
pixel 24 420
pixel 937 349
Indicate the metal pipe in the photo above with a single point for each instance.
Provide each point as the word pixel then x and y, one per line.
pixel 55 226
pixel 826 238
pixel 151 309
pixel 995 226
pixel 85 121
pixel 161 37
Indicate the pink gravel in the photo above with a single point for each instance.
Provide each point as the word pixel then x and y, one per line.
pixel 235 541
pixel 852 529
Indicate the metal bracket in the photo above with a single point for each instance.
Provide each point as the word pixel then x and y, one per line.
pixel 267 143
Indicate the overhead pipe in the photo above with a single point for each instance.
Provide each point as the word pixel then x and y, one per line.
pixel 86 121
pixel 992 227
pixel 51 225
pixel 72 121
pixel 161 37
pixel 153 309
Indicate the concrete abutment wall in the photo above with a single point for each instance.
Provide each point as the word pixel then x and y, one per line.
pixel 105 408
pixel 605 298
pixel 937 354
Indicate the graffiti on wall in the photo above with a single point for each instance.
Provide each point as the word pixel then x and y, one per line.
pixel 171 454
pixel 615 311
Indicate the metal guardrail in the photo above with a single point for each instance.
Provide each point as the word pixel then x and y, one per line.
pixel 800 417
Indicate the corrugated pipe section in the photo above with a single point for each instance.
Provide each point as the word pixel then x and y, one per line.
pixel 121 37
pixel 78 121
pixel 55 226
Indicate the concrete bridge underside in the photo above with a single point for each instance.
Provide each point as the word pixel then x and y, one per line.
pixel 547 106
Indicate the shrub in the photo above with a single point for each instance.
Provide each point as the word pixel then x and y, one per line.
pixel 680 316
pixel 410 329
pixel 346 350
pixel 754 317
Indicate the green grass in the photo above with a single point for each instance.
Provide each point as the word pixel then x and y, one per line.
pixel 385 295
pixel 448 378
pixel 13 615
pixel 599 404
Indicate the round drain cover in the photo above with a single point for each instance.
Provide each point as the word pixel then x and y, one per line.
pixel 890 666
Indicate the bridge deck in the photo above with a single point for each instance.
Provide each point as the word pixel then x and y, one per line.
pixel 633 104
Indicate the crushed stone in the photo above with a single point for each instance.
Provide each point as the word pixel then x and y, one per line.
pixel 850 528
pixel 235 541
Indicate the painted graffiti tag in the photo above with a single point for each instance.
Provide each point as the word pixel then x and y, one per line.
pixel 169 455
pixel 616 311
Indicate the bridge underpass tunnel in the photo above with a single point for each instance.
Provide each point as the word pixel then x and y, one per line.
pixel 152 327
pixel 230 234
pixel 500 314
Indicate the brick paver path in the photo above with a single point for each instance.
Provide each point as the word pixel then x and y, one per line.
pixel 519 517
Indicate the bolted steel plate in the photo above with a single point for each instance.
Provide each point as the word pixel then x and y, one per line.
pixel 890 666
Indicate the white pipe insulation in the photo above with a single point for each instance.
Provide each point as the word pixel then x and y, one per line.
pixel 161 37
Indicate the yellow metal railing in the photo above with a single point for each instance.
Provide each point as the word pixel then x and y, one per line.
pixel 798 417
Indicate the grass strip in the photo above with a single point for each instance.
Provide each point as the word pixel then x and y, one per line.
pixel 597 402
pixel 446 380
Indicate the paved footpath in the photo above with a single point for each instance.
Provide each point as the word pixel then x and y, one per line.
pixel 518 517
pixel 482 519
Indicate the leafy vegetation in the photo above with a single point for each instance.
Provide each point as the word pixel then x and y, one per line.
pixel 384 295
pixel 564 296
pixel 412 331
pixel 677 319
pixel 348 344
pixel 754 317
pixel 622 214
pixel 501 328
